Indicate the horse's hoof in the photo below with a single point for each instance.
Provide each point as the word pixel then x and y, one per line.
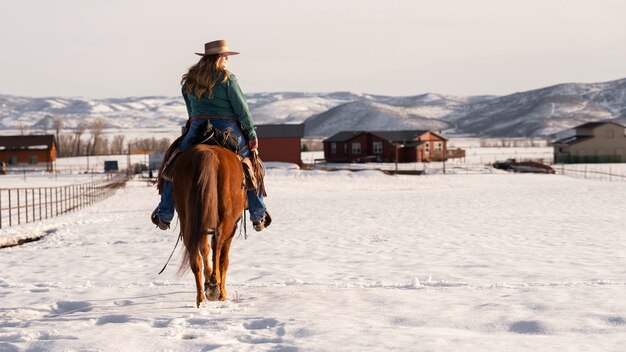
pixel 199 302
pixel 212 295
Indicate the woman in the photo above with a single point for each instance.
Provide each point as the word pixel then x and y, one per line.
pixel 212 95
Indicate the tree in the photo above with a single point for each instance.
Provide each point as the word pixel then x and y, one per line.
pixel 96 127
pixel 117 145
pixel 45 124
pixel 57 123
pixel 80 128
pixel 65 143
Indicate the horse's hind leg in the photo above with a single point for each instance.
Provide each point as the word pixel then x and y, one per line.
pixel 213 292
pixel 195 261
pixel 224 261
pixel 205 251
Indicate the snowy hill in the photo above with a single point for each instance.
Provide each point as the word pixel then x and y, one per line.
pixel 369 115
pixel 534 113
pixel 546 111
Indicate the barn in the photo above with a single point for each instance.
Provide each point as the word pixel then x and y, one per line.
pixel 593 142
pixel 280 142
pixel 29 150
pixel 385 146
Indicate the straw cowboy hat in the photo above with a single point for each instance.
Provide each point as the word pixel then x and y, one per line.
pixel 217 47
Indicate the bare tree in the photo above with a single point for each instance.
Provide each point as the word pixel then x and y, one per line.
pixel 57 124
pixel 162 145
pixel 80 128
pixel 102 146
pixel 117 145
pixel 45 124
pixel 151 144
pixel 65 143
pixel 96 127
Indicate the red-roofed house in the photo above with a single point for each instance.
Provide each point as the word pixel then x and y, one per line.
pixel 385 146
pixel 35 149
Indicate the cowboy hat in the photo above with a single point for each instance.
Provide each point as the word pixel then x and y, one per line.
pixel 217 47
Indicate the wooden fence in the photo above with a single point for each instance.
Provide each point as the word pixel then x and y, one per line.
pixel 590 174
pixel 24 205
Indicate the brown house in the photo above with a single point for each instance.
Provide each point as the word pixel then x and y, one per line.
pixel 385 146
pixel 593 142
pixel 36 149
pixel 280 142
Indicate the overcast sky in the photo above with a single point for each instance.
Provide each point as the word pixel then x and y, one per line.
pixel 121 48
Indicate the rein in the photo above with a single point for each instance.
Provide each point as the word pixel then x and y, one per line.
pixel 245 230
pixel 171 254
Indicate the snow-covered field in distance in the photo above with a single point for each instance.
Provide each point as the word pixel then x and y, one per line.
pixel 353 261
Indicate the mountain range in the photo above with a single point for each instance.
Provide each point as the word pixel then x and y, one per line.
pixel 533 113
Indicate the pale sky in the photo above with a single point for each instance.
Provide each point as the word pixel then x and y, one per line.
pixel 122 48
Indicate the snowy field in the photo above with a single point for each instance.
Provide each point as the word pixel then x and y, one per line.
pixel 354 261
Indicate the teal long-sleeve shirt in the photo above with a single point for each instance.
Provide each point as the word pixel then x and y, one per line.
pixel 227 101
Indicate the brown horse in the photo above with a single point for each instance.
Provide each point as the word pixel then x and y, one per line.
pixel 210 197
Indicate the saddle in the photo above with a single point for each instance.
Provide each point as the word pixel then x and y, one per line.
pixel 253 167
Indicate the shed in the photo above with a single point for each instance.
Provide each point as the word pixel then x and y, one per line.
pixel 280 142
pixel 385 146
pixel 593 142
pixel 33 150
pixel 111 166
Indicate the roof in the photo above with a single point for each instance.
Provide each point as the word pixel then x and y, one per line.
pixel 21 141
pixel 571 140
pixel 592 125
pixel 280 131
pixel 394 136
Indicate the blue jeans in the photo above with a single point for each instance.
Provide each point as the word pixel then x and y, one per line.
pixel 256 205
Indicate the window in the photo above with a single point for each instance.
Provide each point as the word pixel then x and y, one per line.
pixel 32 159
pixel 333 148
pixel 377 147
pixel 356 148
pixel 427 147
pixel 438 146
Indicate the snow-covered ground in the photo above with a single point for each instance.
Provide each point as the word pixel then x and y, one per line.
pixel 354 261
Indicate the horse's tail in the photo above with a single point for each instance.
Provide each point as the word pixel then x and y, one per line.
pixel 202 202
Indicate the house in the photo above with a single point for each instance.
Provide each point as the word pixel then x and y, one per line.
pixel 280 142
pixel 385 146
pixel 34 150
pixel 593 142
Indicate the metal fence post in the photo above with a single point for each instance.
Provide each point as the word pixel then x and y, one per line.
pixel 10 218
pixel 18 207
pixel 26 203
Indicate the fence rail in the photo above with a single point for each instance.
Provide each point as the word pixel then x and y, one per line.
pixel 587 174
pixel 24 205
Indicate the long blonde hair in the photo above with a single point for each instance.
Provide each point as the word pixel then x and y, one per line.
pixel 203 76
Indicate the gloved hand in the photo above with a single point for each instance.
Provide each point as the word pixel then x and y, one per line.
pixel 253 145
